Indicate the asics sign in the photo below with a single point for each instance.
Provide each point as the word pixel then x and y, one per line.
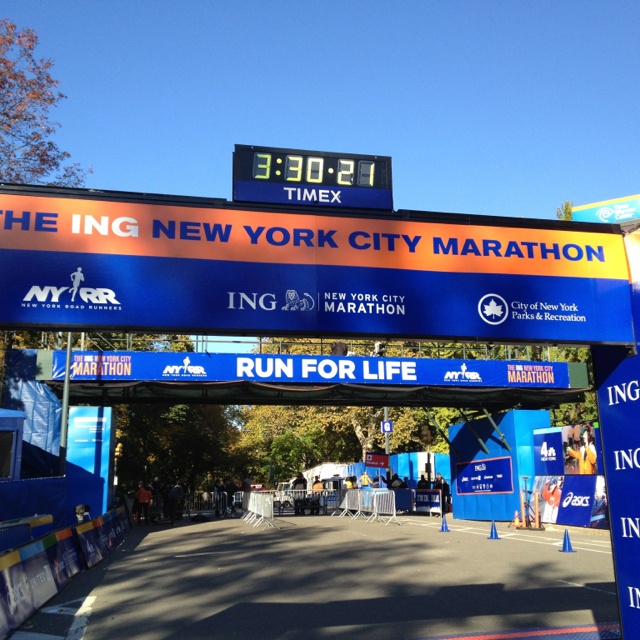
pixel 576 501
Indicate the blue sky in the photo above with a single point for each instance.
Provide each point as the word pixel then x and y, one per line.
pixel 494 107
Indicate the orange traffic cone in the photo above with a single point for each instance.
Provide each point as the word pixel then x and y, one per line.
pixel 516 521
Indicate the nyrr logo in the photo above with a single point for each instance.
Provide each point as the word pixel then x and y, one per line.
pixel 51 296
pixel 186 369
pixel 463 375
pixel 575 501
pixel 87 295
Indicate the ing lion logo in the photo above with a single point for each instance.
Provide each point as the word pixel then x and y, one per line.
pixel 293 302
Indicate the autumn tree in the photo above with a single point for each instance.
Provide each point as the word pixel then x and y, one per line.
pixel 28 92
pixel 188 442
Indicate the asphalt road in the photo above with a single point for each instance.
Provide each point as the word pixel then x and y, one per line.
pixel 321 577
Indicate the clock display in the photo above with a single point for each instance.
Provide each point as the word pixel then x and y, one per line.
pixel 310 178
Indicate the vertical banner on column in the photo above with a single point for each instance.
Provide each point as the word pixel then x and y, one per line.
pixel 617 375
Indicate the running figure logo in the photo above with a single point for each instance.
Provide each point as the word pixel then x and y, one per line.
pixel 77 278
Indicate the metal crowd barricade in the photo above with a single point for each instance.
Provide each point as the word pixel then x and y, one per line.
pixel 14 533
pixel 372 505
pixel 260 509
pixel 216 502
pixel 331 500
pixel 384 507
pixel 350 504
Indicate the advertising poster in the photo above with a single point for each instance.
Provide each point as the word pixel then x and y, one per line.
pixel 88 539
pixel 600 511
pixel 63 555
pixel 35 563
pixel 582 451
pixel 549 491
pixel 14 590
pixel 548 451
pixel 608 211
pixel 491 475
pixel 428 501
pixel 576 505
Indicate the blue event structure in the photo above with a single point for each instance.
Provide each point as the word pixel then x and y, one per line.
pixel 486 470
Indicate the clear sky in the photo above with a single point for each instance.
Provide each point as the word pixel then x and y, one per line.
pixel 490 107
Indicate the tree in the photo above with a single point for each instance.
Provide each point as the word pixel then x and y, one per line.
pixel 27 93
pixel 565 212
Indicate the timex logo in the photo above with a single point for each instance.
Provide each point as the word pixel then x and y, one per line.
pixel 312 195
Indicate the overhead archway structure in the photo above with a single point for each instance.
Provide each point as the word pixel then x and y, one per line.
pixel 79 260
pixel 219 378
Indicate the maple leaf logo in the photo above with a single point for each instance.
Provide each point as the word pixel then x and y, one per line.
pixel 493 309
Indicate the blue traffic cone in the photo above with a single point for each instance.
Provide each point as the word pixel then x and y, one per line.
pixel 566 545
pixel 444 528
pixel 494 532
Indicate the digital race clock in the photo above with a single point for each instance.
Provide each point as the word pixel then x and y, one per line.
pixel 311 178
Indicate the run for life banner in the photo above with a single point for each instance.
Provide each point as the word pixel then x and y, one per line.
pixel 217 367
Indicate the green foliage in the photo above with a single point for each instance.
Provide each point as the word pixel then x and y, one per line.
pixel 565 211
pixel 181 441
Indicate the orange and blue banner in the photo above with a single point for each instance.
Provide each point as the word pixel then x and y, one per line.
pixel 112 264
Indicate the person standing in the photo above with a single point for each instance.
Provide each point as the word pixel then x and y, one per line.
pixel 231 489
pixel 299 488
pixel 143 500
pixel 220 498
pixel 246 492
pixel 174 498
pixel 441 484
pixel 316 488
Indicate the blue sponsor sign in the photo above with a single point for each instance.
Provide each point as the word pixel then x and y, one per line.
pixel 618 382
pixel 203 367
pixel 428 500
pixel 268 299
pixel 617 377
pixel 548 452
pixel 307 194
pixel 490 475
pixel 576 504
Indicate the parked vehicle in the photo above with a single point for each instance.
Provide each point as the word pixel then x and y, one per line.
pixel 283 495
